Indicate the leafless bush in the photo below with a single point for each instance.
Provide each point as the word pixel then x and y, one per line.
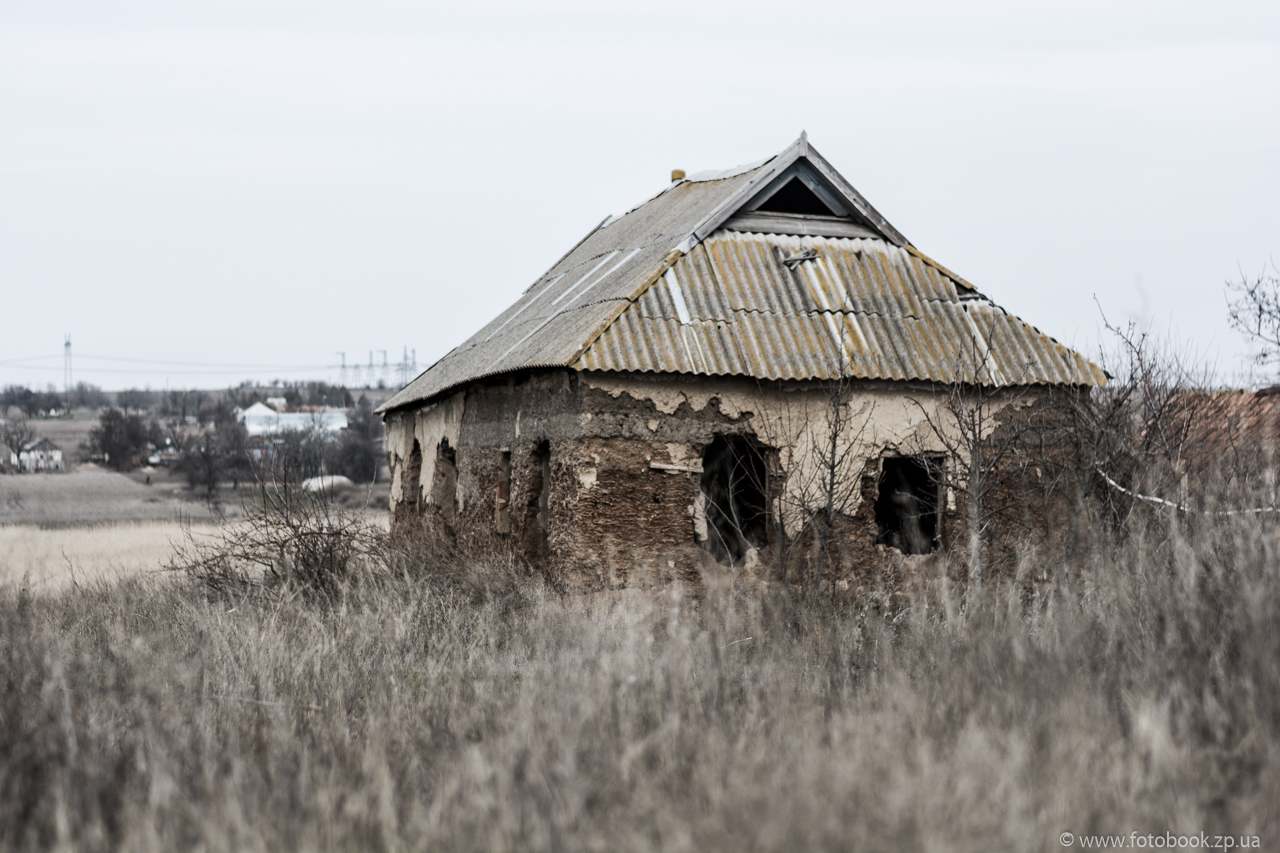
pixel 290 539
pixel 1253 306
pixel 1160 418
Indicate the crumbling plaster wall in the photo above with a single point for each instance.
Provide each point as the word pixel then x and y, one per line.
pixel 623 495
pixel 881 417
pixel 429 425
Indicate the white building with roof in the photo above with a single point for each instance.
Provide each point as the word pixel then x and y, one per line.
pixel 262 420
pixel 39 454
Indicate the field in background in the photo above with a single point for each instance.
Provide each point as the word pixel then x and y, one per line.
pixel 67 432
pixel 89 494
pixel 92 524
pixel 45 560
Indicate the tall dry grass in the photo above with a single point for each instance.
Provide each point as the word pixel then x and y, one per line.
pixel 1134 688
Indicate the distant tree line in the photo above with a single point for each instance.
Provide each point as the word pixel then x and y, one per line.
pixel 31 403
pixel 202 405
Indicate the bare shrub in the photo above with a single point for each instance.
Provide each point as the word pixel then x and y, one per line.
pixel 1253 308
pixel 290 539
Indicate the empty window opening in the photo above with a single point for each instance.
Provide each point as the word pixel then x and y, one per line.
pixel 907 506
pixel 796 197
pixel 444 485
pixel 539 507
pixel 735 493
pixel 411 484
pixel 502 501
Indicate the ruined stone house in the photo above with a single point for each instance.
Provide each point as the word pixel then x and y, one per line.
pixel 659 402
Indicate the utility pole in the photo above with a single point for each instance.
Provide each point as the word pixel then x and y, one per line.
pixel 342 371
pixel 385 375
pixel 66 370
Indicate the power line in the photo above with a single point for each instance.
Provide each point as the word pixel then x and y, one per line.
pixel 160 372
pixel 405 370
pixel 205 363
pixel 21 362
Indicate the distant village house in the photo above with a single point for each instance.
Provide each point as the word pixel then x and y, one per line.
pixel 261 420
pixel 40 454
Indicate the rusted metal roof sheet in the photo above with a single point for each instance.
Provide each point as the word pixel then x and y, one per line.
pixel 748 306
pixel 859 308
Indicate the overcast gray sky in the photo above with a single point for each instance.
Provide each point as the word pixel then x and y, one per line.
pixel 185 186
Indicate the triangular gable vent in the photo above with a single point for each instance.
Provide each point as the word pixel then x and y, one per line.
pixel 795 197
pixel 800 202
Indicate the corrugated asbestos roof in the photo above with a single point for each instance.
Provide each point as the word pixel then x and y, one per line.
pixel 861 308
pixel 872 308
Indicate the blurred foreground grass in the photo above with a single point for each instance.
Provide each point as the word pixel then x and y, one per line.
pixel 1137 689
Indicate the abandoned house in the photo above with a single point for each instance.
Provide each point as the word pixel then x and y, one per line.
pixel 699 378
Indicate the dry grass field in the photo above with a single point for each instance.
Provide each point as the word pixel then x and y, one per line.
pixel 90 525
pixel 93 525
pixel 429 704
pixel 44 560
pixel 92 495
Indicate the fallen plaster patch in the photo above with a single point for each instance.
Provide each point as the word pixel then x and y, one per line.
pixel 587 477
pixel 730 408
pixel 678 453
pixel 698 512
pixel 665 400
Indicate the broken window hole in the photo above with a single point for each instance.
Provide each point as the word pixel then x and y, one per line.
pixel 907 516
pixel 735 493
pixel 502 501
pixel 540 488
pixel 410 489
pixel 444 485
